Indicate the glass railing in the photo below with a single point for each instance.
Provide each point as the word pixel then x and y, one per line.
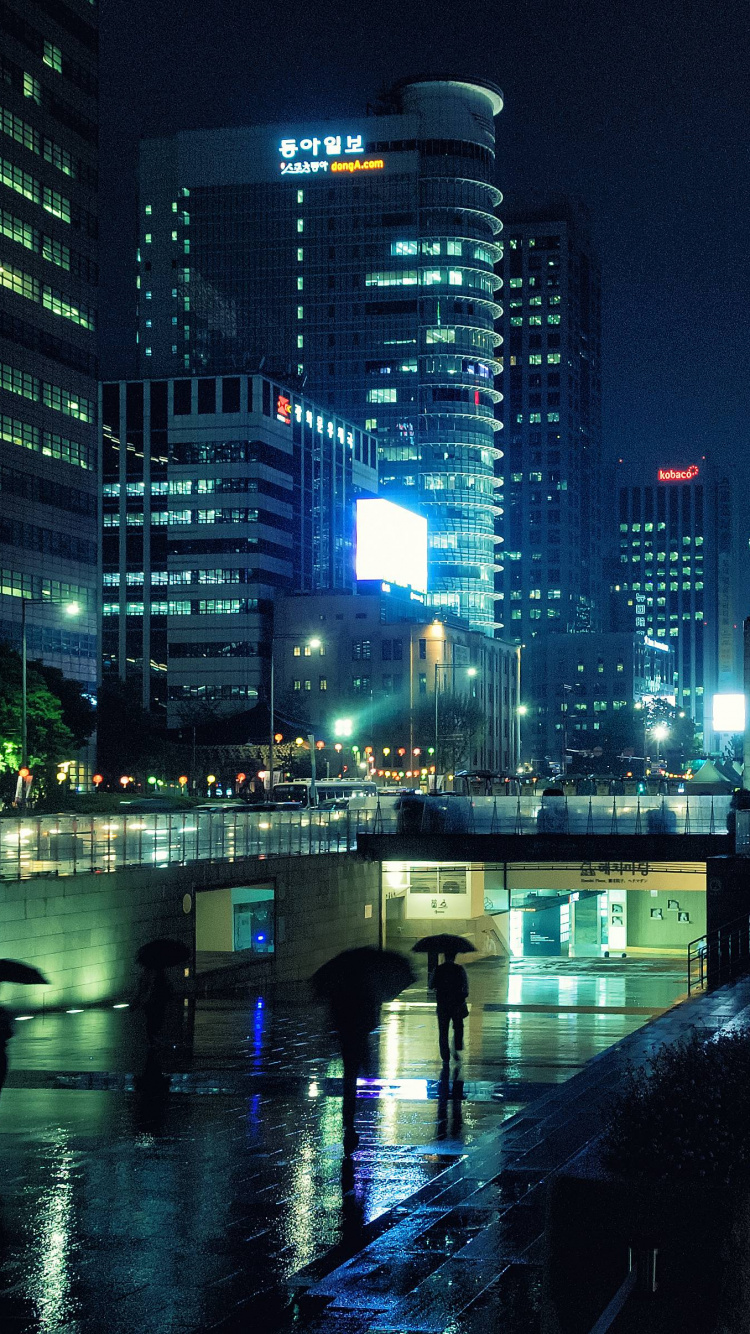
pixel 69 844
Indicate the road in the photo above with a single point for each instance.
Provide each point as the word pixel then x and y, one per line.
pixel 191 1212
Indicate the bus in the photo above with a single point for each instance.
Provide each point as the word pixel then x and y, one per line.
pixel 329 792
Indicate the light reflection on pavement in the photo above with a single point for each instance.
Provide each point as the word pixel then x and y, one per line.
pixel 121 1215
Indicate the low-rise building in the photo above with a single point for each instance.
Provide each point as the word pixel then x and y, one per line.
pixel 402 691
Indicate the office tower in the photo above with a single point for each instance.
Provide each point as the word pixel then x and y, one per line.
pixel 551 554
pixel 357 256
pixel 48 290
pixel 677 577
pixel 218 493
pixel 577 684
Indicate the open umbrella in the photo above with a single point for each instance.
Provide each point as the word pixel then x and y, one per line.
pixel 380 975
pixel 11 970
pixel 162 954
pixel 444 943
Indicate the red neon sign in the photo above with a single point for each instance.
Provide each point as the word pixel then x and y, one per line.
pixel 678 474
pixel 284 409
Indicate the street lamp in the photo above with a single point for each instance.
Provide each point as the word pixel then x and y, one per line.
pixel 446 667
pixel 311 644
pixel 70 609
pixel 661 732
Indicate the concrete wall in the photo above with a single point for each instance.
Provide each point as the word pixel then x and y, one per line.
pixel 83 931
pixel 213 920
pixel 667 932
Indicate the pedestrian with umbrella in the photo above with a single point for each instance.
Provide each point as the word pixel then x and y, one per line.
pixel 12 970
pixel 451 987
pixel 356 983
pixel 155 991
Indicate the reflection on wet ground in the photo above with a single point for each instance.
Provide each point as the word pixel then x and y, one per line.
pixel 126 1204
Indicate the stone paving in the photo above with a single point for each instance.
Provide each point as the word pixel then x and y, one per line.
pixel 215 1204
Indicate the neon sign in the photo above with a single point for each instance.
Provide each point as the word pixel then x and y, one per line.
pixel 364 164
pixel 306 156
pixel 678 474
pixel 283 409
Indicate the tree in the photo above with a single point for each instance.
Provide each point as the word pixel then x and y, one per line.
pixel 624 736
pixel 459 722
pixel 59 718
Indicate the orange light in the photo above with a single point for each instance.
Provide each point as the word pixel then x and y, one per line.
pixel 359 164
pixel 320 745
pixel 278 737
pixel 25 773
pixel 97 779
pixel 368 750
pixel 182 780
pixel 124 780
pixel 240 778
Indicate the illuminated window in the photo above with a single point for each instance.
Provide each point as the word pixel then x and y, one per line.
pixel 52 57
pixel 300 254
pixel 300 224
pixel 382 396
pixel 404 247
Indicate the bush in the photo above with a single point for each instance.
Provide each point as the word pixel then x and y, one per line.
pixel 686 1114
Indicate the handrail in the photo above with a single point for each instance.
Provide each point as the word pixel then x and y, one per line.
pixel 719 955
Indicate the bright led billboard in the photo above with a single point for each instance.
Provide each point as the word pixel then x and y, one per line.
pixel 391 544
pixel 729 713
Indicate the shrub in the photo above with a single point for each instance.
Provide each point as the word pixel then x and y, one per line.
pixel 686 1114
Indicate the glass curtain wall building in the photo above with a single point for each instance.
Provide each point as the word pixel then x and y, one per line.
pixel 218 493
pixel 551 580
pixel 676 578
pixel 48 297
pixel 357 257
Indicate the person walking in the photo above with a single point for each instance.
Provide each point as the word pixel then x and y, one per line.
pixel 451 986
pixel 6 1033
pixel 354 1014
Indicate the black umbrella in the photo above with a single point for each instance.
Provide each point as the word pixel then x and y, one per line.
pixel 444 944
pixel 378 975
pixel 11 970
pixel 162 954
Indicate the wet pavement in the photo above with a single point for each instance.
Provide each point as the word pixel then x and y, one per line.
pixel 199 1206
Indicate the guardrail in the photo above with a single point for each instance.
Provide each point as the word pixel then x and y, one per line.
pixel 69 844
pixel 719 956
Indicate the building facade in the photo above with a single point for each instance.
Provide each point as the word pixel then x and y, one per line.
pixel 48 299
pixel 574 685
pixel 359 257
pixel 219 492
pixel 377 659
pixel 676 578
pixel 551 554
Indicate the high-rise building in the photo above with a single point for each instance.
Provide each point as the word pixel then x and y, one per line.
pixel 577 685
pixel 219 493
pixel 358 257
pixel 48 297
pixel 551 577
pixel 676 577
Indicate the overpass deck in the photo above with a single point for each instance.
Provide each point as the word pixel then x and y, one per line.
pixel 69 844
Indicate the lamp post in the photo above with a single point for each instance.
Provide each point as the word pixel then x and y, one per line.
pixel 311 644
pixel 661 732
pixel 567 690
pixel 446 667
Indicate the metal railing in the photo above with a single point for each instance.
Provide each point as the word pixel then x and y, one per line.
pixel 70 844
pixel 719 956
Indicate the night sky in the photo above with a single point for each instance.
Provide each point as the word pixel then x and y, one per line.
pixel 640 107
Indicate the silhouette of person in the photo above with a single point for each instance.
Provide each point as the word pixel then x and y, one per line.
pixel 456 1096
pixel 152 997
pixel 354 1014
pixel 451 987
pixel 6 1033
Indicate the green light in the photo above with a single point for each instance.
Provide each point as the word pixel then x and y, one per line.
pixel 152 781
pixel 430 750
